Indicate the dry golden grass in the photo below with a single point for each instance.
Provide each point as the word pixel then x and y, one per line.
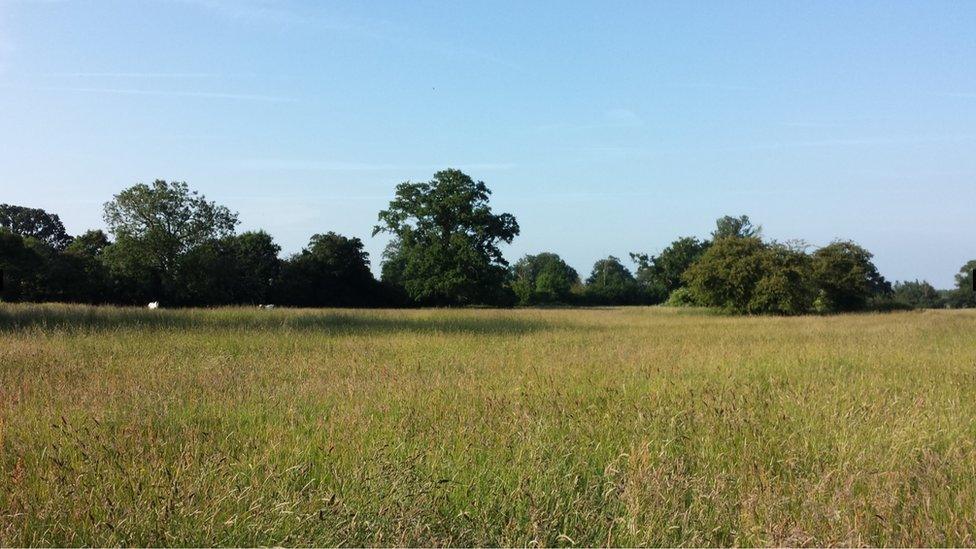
pixel 631 426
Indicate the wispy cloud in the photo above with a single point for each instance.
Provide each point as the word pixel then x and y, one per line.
pixel 141 75
pixel 856 141
pixel 962 95
pixel 613 118
pixel 343 166
pixel 314 18
pixel 623 117
pixel 712 86
pixel 174 93
pixel 6 46
pixel 611 153
pixel 251 11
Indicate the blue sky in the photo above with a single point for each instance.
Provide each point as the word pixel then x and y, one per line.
pixel 604 127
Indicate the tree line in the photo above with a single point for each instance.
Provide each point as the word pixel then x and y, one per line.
pixel 166 242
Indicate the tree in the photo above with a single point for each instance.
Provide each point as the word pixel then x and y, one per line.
pixel 727 274
pixel 846 278
pixel 154 227
pixel 543 279
pixel 18 268
pixel 238 269
pixel 333 271
pixel 739 227
pixel 660 275
pixel 920 295
pixel 786 286
pixel 964 295
pixel 82 262
pixel 746 275
pixel 91 243
pixel 257 266
pixel 446 241
pixel 34 223
pixel 611 283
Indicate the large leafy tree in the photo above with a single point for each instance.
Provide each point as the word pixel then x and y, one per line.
pixel 786 286
pixel 34 270
pixel 543 279
pixel 611 283
pixel 727 274
pixel 235 269
pixel 91 243
pixel 846 277
pixel 917 294
pixel 747 275
pixel 445 248
pixel 82 267
pixel 155 226
pixel 332 271
pixel 19 266
pixel 964 294
pixel 257 266
pixel 34 223
pixel 660 275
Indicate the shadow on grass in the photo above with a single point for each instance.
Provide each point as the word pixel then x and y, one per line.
pixel 55 317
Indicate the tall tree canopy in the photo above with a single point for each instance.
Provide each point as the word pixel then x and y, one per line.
pixel 747 275
pixel 740 227
pixel 611 283
pixel 333 271
pixel 660 274
pixel 445 248
pixel 846 277
pixel 965 293
pixel 543 278
pixel 34 223
pixel 18 268
pixel 234 269
pixel 918 294
pixel 154 227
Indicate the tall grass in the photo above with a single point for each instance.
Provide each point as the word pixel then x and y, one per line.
pixel 632 426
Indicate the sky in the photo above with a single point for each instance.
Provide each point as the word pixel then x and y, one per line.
pixel 604 127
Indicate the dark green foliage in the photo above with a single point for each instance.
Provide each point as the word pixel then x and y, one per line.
pixel 36 271
pixel 727 274
pixel 746 275
pixel 20 265
pixel 86 275
pixel 964 295
pixel 241 269
pixel 34 223
pixel 445 248
pixel 918 295
pixel 543 279
pixel 134 279
pixel 738 227
pixel 661 275
pixel 91 244
pixel 257 266
pixel 333 271
pixel 611 283
pixel 174 246
pixel 155 227
pixel 845 277
pixel 786 286
pixel 682 297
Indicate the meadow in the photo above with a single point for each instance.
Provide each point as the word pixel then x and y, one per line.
pixel 558 427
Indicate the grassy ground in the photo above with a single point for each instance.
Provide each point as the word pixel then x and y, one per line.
pixel 624 426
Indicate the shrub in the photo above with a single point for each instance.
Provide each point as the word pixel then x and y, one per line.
pixel 682 297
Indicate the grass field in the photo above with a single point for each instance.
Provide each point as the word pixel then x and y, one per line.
pixel 631 426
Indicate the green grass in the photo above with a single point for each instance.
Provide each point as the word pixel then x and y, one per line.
pixel 631 426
